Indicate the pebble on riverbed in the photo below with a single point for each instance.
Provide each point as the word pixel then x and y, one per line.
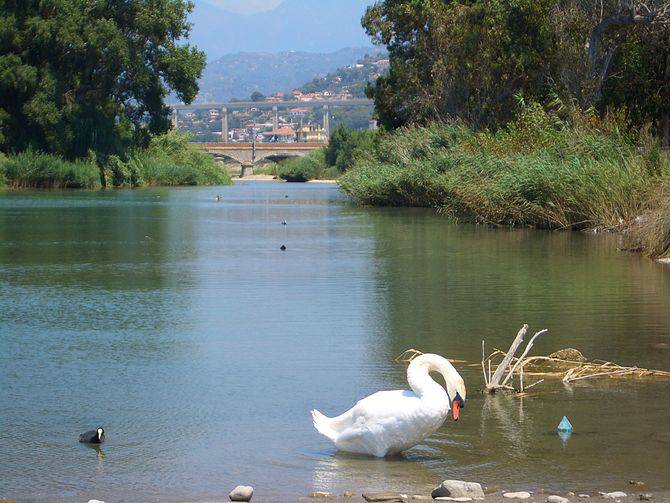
pixel 383 497
pixel 458 489
pixel 614 495
pixel 557 499
pixel 519 495
pixel 320 495
pixel 241 493
pixel 646 497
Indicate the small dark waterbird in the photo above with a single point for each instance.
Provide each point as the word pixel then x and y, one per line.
pixel 283 248
pixel 284 222
pixel 96 436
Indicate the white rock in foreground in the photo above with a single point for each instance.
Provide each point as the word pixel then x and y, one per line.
pixel 521 495
pixel 241 493
pixel 614 495
pixel 557 499
pixel 95 501
pixel 458 489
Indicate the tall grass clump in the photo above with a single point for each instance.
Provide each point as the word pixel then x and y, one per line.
pixel 651 232
pixel 31 169
pixel 544 169
pixel 167 161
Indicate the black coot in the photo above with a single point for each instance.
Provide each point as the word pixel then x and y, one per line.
pixel 96 436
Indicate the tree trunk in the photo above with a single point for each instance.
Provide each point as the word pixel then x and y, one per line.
pixel 596 33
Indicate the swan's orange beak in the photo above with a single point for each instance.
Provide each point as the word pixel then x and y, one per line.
pixel 455 409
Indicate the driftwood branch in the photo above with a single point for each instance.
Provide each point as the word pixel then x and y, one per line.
pixel 498 374
pixel 509 364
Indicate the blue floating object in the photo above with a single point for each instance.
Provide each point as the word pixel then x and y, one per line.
pixel 564 426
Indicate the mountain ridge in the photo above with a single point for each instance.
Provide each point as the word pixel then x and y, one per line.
pixel 305 25
pixel 237 76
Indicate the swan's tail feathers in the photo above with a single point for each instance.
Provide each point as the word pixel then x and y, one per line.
pixel 324 425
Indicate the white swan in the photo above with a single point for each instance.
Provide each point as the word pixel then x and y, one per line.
pixel 389 422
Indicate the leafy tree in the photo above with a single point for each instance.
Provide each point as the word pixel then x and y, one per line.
pixel 345 145
pixel 464 58
pixel 82 75
pixel 257 96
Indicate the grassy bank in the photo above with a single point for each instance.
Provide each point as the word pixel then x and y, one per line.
pixel 168 161
pixel 543 170
pixel 36 170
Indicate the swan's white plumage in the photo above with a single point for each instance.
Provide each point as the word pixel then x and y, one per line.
pixel 389 422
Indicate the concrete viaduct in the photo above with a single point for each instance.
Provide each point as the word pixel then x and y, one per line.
pixel 247 154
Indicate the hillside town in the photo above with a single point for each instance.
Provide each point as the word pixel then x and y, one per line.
pixel 299 123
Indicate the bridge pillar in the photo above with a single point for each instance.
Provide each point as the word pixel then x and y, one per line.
pixel 175 119
pixel 224 125
pixel 246 169
pixel 275 120
pixel 326 122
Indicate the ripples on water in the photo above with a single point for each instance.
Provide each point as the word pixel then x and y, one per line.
pixel 176 322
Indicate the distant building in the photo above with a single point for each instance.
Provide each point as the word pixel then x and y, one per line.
pixel 281 135
pixel 298 112
pixel 311 133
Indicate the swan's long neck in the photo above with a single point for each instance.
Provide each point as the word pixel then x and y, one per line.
pixel 418 376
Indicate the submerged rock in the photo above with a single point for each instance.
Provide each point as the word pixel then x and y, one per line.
pixel 241 493
pixel 320 494
pixel 519 495
pixel 376 497
pixel 557 499
pixel 348 494
pixel 458 489
pixel 583 496
pixel 646 497
pixel 614 495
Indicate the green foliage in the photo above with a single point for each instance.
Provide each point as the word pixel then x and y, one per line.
pixel 32 169
pixel 80 75
pixel 345 146
pixel 168 160
pixel 541 170
pixel 463 58
pixel 257 96
pixel 303 169
pixel 467 59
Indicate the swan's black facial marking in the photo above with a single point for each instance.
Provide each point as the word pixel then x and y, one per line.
pixel 460 400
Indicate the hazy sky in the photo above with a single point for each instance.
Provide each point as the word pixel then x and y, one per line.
pixel 246 6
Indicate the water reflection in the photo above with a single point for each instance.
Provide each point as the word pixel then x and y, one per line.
pixel 342 472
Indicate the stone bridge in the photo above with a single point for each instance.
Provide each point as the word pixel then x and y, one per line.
pixel 248 154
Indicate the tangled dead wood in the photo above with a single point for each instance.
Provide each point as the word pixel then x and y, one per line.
pixel 567 364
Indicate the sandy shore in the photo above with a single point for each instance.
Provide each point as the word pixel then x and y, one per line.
pixel 270 178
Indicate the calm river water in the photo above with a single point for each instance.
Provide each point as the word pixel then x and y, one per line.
pixel 176 323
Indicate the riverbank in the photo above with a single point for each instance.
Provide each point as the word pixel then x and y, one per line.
pixel 542 170
pixel 167 161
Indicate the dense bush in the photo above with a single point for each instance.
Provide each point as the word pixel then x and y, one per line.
pixel 167 161
pixel 541 170
pixel 303 169
pixel 346 145
pixel 37 170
